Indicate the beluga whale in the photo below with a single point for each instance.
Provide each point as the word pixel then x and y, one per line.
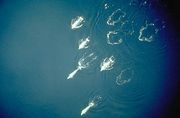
pixel 77 22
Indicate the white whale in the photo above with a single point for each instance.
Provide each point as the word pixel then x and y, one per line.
pixel 83 63
pixel 77 22
pixel 71 75
pixel 86 109
pixel 83 43
pixel 107 63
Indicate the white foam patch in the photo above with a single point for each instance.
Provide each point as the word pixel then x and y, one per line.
pixel 147 33
pixel 125 76
pixel 114 38
pixel 117 16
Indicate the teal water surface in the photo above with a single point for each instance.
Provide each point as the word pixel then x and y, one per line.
pixel 39 49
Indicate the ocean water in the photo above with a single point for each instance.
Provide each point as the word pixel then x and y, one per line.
pixel 58 56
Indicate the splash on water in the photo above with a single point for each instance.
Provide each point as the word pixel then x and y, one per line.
pixel 107 63
pixel 125 76
pixel 106 6
pixel 114 38
pixel 77 22
pixel 84 43
pixel 147 33
pixel 117 16
pixel 83 63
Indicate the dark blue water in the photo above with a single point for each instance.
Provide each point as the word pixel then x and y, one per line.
pixel 38 50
